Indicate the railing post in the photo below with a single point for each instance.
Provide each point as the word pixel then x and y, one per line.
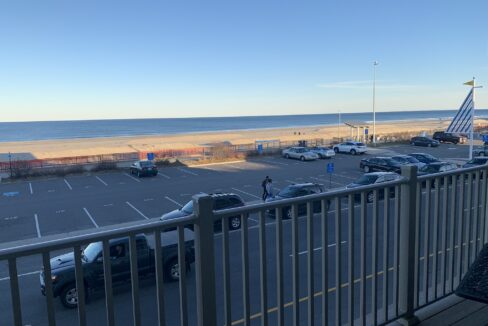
pixel 407 246
pixel 204 260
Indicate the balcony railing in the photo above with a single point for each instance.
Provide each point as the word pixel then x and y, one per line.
pixel 368 255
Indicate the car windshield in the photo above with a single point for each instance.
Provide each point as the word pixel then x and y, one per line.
pixel 391 161
pixel 367 179
pixel 360 144
pixel 412 159
pixel 92 251
pixel 430 168
pixel 188 208
pixel 301 150
pixel 146 164
pixel 401 159
pixel 288 192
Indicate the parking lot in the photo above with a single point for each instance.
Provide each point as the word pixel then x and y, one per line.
pixel 39 208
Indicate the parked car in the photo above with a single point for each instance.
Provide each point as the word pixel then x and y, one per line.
pixel 481 151
pixel 63 266
pixel 374 178
pixel 446 137
pixel 480 160
pixel 406 159
pixel 436 167
pixel 424 141
pixel 293 191
pixel 323 152
pixel 221 201
pixel 424 158
pixel 351 147
pixel 143 168
pixel 380 164
pixel 300 153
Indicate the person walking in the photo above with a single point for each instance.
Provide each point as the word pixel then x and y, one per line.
pixel 269 188
pixel 264 184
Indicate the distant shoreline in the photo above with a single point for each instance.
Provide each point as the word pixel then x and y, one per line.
pixel 96 129
pixel 57 148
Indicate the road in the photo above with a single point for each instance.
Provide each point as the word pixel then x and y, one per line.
pixel 38 208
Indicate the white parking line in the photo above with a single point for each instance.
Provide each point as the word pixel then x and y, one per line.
pixel 326 181
pixel 138 211
pixel 164 175
pixel 19 275
pixel 187 171
pixel 132 177
pixel 30 187
pixel 91 217
pixel 100 179
pixel 319 248
pixel 173 201
pixel 246 193
pixel 37 226
pixel 67 183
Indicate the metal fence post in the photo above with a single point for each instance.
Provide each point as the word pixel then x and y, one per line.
pixel 407 246
pixel 204 260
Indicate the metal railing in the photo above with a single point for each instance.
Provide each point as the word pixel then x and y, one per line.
pixel 368 255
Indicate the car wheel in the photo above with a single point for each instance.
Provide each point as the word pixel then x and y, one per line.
pixel 235 223
pixel 336 149
pixel 412 143
pixel 173 270
pixel 138 174
pixel 287 214
pixel 287 156
pixel 366 169
pixel 370 197
pixel 353 152
pixel 69 296
pixel 302 158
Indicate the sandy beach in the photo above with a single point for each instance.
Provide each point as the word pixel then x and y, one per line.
pixel 96 146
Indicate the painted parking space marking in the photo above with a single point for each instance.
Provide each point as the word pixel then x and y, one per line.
pixel 319 248
pixel 173 201
pixel 101 180
pixel 51 190
pixel 11 194
pixel 148 199
pixel 60 211
pixel 10 218
pixel 67 184
pixel 326 181
pixel 108 205
pixel 90 217
pixel 30 188
pixel 246 193
pixel 187 171
pixel 164 175
pixel 36 219
pixel 138 211
pixel 19 275
pixel 126 174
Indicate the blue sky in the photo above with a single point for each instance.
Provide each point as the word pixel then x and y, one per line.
pixel 63 60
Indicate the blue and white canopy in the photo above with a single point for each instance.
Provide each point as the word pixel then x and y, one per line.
pixel 462 122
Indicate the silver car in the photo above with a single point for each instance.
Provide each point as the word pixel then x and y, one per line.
pixel 300 153
pixel 323 152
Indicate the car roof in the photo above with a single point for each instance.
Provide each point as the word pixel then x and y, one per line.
pixel 439 163
pixel 400 155
pixel 381 173
pixel 484 158
pixel 307 184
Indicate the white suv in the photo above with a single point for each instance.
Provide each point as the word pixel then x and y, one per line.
pixel 300 153
pixel 351 147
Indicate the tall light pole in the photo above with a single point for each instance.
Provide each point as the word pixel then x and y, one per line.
pixel 375 63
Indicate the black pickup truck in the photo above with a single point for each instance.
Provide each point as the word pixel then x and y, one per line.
pixel 63 267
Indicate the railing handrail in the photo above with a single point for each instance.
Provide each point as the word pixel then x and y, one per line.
pixel 61 241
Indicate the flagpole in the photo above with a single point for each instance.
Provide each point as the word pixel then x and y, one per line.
pixel 472 124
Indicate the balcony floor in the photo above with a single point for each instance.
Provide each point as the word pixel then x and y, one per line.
pixel 454 310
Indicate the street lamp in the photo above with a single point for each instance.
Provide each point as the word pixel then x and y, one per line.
pixel 375 63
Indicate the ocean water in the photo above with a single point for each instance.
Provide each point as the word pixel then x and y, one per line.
pixel 46 130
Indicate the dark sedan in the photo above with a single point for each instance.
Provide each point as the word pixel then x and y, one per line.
pixel 436 167
pixel 143 168
pixel 424 157
pixel 293 191
pixel 480 160
pixel 371 179
pixel 386 164
pixel 424 141
pixel 221 202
